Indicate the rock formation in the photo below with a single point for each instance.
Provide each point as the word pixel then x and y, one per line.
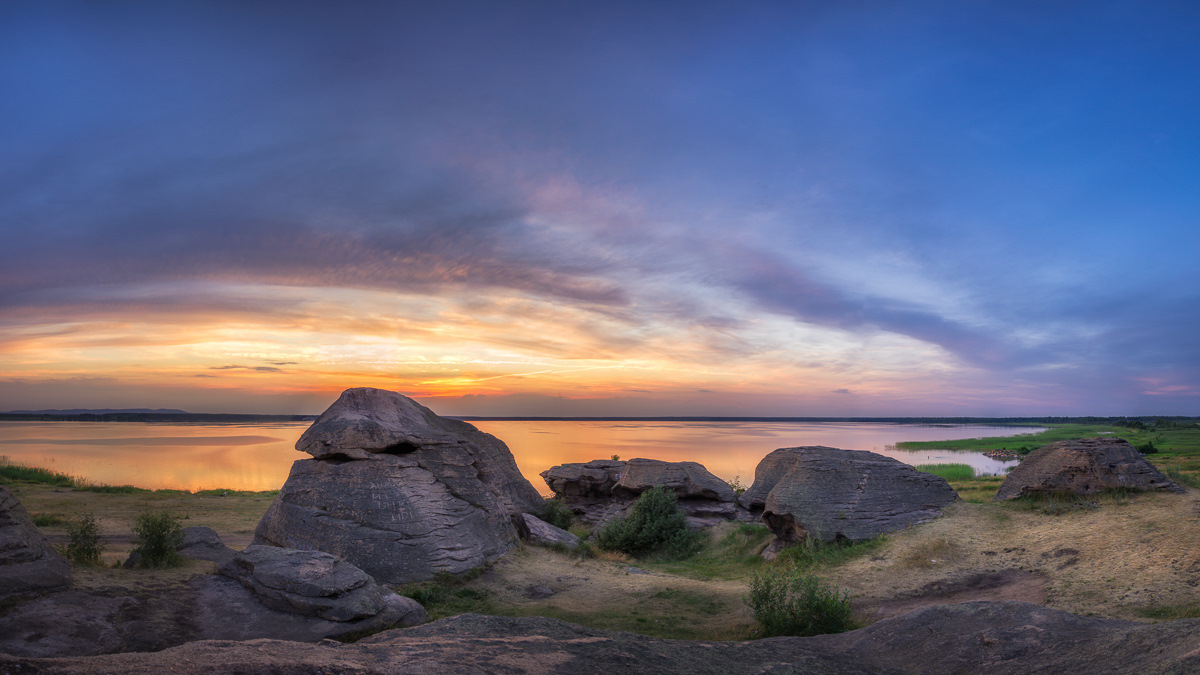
pixel 540 533
pixel 263 592
pixel 999 638
pixel 1081 467
pixel 399 491
pixel 831 494
pixel 602 489
pixel 27 562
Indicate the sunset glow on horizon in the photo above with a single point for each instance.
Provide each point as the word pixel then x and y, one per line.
pixel 544 209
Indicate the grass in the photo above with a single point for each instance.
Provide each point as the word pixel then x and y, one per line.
pixel 977 490
pixel 949 471
pixel 1057 504
pixel 929 553
pixel 1187 610
pixel 1181 440
pixel 731 552
pixel 812 553
pixel 18 473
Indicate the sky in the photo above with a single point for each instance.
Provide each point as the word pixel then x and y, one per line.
pixel 959 208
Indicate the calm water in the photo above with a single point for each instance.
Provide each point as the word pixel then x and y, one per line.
pixel 258 456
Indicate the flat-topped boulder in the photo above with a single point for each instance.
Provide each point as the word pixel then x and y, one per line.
pixel 1081 467
pixel 688 480
pixel 399 491
pixel 589 480
pixel 601 489
pixel 27 561
pixel 831 494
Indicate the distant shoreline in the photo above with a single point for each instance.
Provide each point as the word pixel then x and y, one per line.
pixel 251 418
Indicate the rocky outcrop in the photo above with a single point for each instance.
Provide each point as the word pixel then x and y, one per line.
pixel 201 542
pixel 1081 467
pixel 600 490
pixel 27 562
pixel 399 491
pixel 831 494
pixel 540 533
pixel 688 480
pixel 309 583
pixel 993 637
pixel 591 480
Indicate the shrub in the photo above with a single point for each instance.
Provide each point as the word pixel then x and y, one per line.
pixel 737 486
pixel 83 541
pixel 1147 448
pixel 156 538
pixel 654 525
pixel 788 602
pixel 555 512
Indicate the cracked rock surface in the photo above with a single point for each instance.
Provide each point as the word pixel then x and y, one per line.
pixel 398 491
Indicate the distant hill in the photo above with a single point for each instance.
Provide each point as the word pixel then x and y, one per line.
pixel 100 411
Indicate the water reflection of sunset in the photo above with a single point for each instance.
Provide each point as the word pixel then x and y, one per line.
pixel 258 457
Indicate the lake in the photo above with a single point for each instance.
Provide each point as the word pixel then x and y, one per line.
pixel 258 456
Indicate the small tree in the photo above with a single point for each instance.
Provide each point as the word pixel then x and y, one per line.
pixel 83 545
pixel 788 602
pixel 654 525
pixel 157 536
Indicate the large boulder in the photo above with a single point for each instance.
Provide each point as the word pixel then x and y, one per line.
pixel 688 480
pixel 540 533
pixel 600 490
pixel 589 480
pixel 310 583
pixel 830 494
pixel 27 561
pixel 398 491
pixel 1081 467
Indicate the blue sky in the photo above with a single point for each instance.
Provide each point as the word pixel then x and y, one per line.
pixel 927 208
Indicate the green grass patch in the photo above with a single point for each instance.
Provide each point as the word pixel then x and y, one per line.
pixel 1182 472
pixel 949 471
pixel 979 490
pixel 48 519
pixel 1187 610
pixel 812 552
pixel 1061 503
pixel 669 613
pixel 1171 439
pixel 730 553
pixel 14 473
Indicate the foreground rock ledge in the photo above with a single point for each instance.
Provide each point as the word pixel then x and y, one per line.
pixel 993 637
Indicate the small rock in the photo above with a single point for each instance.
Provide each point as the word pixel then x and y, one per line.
pixel 538 592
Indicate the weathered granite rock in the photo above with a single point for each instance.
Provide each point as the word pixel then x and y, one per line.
pixel 398 491
pixel 201 542
pixel 769 471
pixel 207 607
pixel 688 480
pixel 540 533
pixel 310 583
pixel 594 479
pixel 600 490
pixel 1081 467
pixel 830 494
pixel 1002 638
pixel 27 562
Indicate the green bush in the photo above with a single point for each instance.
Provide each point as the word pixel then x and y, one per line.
pixel 157 535
pixel 654 525
pixel 555 512
pixel 83 541
pixel 788 602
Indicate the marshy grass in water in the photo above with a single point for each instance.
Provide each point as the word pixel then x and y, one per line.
pixel 949 471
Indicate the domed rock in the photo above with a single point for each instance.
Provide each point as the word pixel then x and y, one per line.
pixel 1083 466
pixel 399 491
pixel 829 494
pixel 27 561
